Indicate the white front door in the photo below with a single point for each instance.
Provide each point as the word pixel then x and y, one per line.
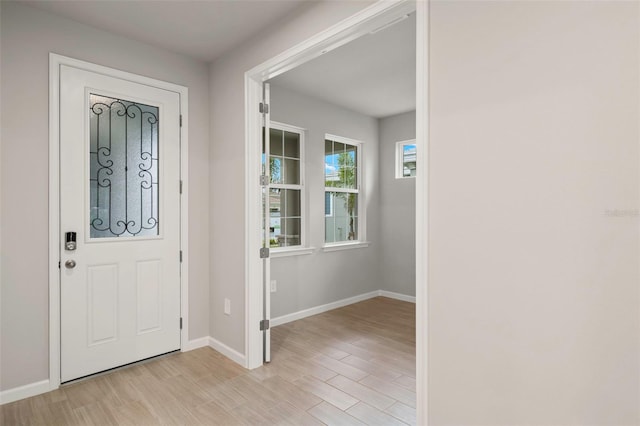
pixel 120 195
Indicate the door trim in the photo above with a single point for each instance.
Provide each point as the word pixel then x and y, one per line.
pixel 55 61
pixel 345 31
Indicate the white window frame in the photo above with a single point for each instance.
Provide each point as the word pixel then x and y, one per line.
pixel 361 241
pixel 400 158
pixel 301 187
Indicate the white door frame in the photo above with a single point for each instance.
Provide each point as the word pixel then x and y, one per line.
pixel 365 21
pixel 55 61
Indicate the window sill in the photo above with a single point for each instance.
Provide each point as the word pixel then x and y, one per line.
pixel 286 252
pixel 345 246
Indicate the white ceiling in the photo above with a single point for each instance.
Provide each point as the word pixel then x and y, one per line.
pixel 373 75
pixel 202 29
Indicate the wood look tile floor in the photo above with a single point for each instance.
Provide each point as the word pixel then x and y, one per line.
pixel 350 366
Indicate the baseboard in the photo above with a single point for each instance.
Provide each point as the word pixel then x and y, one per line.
pixel 196 344
pixel 225 350
pixel 322 308
pixel 26 391
pixel 397 296
pixel 33 389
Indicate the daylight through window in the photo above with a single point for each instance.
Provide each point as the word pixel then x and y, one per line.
pixel 285 187
pixel 406 159
pixel 342 189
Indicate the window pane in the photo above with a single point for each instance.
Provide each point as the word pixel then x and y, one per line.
pixel 275 169
pixel 328 147
pixel 329 229
pixel 341 225
pixel 341 231
pixel 345 159
pixel 291 173
pixel 275 213
pixel 351 153
pixel 291 145
pixel 123 165
pixel 328 209
pixel 352 205
pixel 292 203
pixel 331 176
pixel 275 202
pixel 348 178
pixel 275 142
pixel 409 160
pixel 292 236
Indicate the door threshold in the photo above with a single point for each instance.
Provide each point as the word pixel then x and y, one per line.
pixel 120 367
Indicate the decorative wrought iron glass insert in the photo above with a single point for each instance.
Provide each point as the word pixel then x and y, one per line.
pixel 123 168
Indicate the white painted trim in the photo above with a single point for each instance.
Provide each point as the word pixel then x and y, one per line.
pixel 363 22
pixel 196 344
pixel 397 296
pixel 367 20
pixel 422 209
pixel 345 246
pixel 342 139
pixel 288 127
pixel 339 304
pixel 184 215
pixel 322 308
pixel 286 252
pixel 54 221
pixel 253 218
pixel 55 61
pixel 26 391
pixel 225 350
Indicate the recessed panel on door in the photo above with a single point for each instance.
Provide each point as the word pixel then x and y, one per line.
pixel 148 296
pixel 102 303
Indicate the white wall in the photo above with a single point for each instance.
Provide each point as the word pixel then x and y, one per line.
pixel 227 157
pixel 27 37
pixel 533 204
pixel 311 280
pixel 398 209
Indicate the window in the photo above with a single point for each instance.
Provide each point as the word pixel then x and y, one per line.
pixel 286 193
pixel 406 159
pixel 342 176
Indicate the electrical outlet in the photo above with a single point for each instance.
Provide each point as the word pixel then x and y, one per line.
pixel 227 306
pixel 274 286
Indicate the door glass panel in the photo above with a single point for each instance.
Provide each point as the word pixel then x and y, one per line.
pixel 123 168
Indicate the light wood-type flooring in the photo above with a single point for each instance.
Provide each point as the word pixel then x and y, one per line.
pixel 350 366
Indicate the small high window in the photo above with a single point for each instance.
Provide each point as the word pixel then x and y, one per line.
pixel 406 159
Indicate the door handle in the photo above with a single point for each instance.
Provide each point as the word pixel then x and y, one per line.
pixel 70 264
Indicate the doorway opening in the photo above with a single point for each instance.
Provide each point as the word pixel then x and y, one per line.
pixel 264 233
